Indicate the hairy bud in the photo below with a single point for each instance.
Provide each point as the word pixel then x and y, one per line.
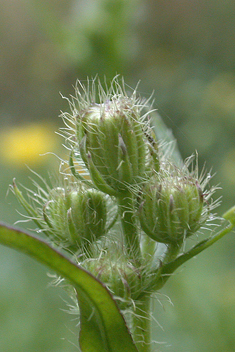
pixel 78 216
pixel 124 280
pixel 111 135
pixel 113 144
pixel 172 208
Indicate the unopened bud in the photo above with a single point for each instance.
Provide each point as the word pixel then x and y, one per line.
pixel 115 142
pixel 111 136
pixel 172 208
pixel 124 281
pixel 77 216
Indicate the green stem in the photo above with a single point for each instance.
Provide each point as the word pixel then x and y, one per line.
pixel 172 252
pixel 148 249
pixel 129 226
pixel 142 324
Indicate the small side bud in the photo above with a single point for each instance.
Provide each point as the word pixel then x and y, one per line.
pixel 172 208
pixel 76 216
pixel 124 281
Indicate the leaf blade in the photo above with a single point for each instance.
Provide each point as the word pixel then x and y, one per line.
pixel 165 135
pixel 107 329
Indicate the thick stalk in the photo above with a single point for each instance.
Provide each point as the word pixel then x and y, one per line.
pixel 172 252
pixel 148 249
pixel 142 325
pixel 129 226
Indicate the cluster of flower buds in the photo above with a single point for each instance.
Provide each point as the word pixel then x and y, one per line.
pixel 121 153
pixel 113 141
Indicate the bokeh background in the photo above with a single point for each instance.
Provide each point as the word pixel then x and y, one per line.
pixel 183 50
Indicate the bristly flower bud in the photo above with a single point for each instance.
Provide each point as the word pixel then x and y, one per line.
pixel 124 280
pixel 172 207
pixel 77 215
pixel 115 141
pixel 111 136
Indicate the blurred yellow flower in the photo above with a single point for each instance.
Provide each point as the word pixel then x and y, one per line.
pixel 25 144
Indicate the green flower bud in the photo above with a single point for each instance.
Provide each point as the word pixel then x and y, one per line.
pixel 123 280
pixel 78 215
pixel 114 143
pixel 111 136
pixel 172 208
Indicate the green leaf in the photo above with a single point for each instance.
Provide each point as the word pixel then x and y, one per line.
pixel 102 325
pixel 165 135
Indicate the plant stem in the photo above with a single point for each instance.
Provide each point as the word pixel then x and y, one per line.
pixel 148 249
pixel 142 325
pixel 170 267
pixel 129 227
pixel 172 252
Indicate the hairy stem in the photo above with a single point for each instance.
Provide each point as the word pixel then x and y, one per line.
pixel 172 252
pixel 142 324
pixel 129 226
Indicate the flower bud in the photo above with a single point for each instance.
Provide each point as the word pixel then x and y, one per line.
pixel 78 215
pixel 123 280
pixel 112 141
pixel 172 208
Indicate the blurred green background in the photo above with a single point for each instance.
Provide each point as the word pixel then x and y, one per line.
pixel 183 50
